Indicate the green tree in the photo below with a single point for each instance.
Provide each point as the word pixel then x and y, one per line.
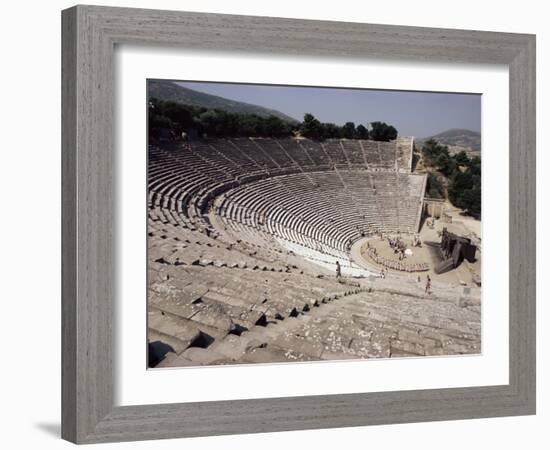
pixel 462 159
pixel 311 127
pixel 249 125
pixel 330 131
pixel 463 175
pixel 275 127
pixel 348 130
pixel 437 156
pixel 475 165
pixel 156 123
pixel 178 114
pixel 460 183
pixel 445 164
pixel 381 131
pixel 430 150
pixel 362 132
pixel 434 186
pixel 210 123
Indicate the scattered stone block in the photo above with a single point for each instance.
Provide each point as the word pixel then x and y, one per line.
pixel 203 356
pixel 177 332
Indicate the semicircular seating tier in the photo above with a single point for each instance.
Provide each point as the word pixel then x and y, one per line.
pixel 320 196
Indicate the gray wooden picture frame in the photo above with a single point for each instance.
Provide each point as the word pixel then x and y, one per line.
pixel 89 35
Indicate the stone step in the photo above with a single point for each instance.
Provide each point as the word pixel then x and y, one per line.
pixel 201 356
pixel 173 360
pixel 175 344
pixel 266 356
pixel 183 331
pixel 202 321
pixel 234 347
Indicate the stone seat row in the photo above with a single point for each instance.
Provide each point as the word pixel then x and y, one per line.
pixel 321 210
pixel 353 324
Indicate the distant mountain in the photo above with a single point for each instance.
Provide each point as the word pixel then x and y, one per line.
pixel 170 90
pixel 457 139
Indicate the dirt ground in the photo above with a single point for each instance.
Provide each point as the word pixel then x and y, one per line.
pixel 427 253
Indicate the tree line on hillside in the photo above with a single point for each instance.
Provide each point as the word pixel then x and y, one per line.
pixel 314 129
pixel 462 173
pixel 176 118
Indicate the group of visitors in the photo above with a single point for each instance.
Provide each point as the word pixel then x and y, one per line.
pixel 398 247
pixel 395 265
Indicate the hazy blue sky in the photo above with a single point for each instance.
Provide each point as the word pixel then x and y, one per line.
pixel 416 114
